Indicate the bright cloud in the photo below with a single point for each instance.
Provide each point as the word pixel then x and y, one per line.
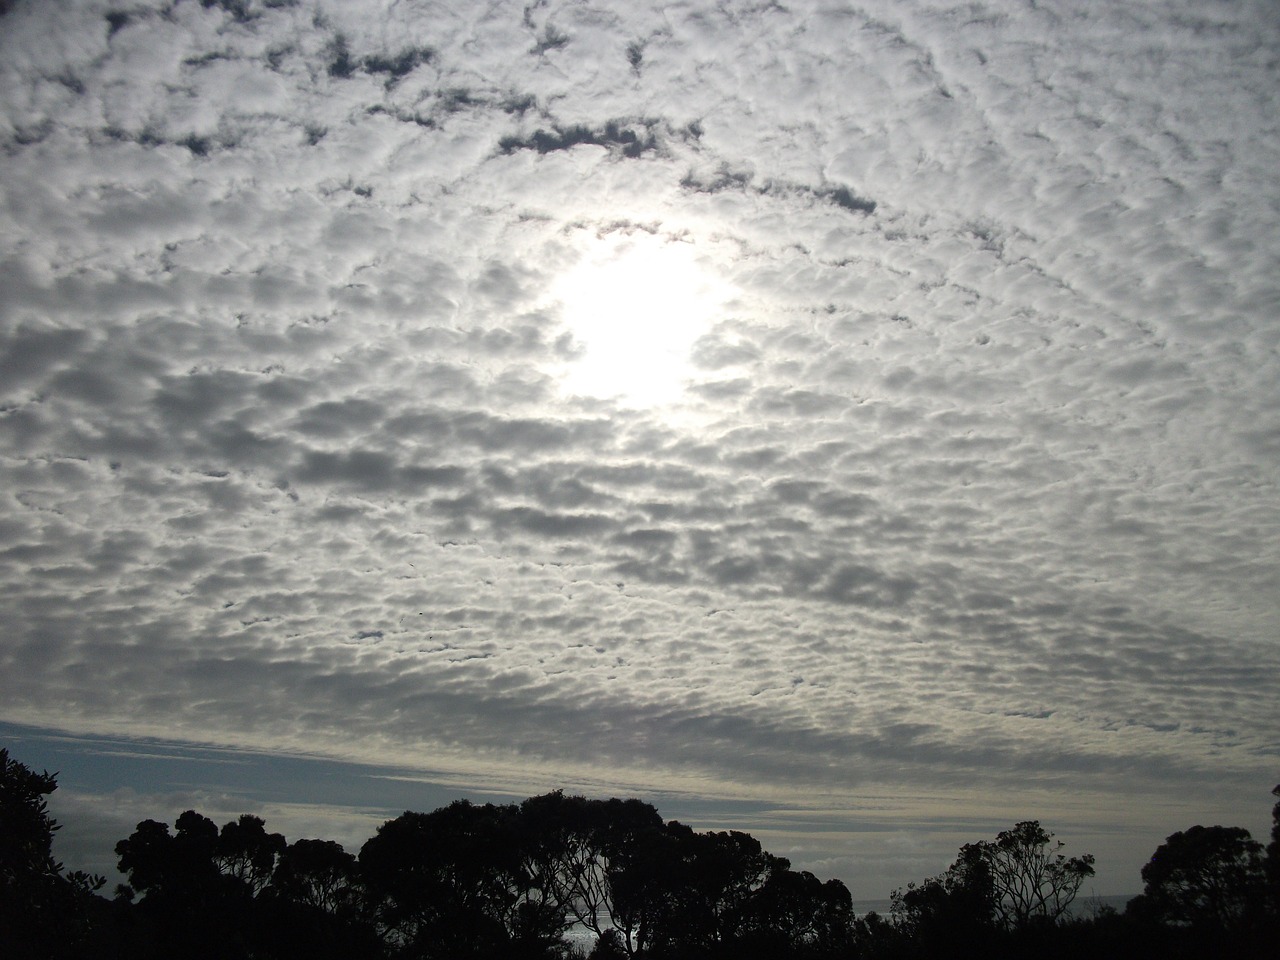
pixel 341 349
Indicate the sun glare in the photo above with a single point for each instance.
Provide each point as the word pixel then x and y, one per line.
pixel 635 305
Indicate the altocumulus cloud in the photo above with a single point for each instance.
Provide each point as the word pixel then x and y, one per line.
pixel 971 490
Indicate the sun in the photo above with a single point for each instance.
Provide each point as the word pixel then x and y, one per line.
pixel 634 305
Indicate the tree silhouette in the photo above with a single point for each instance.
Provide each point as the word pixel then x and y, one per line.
pixel 1031 881
pixel 953 913
pixel 42 911
pixel 794 914
pixel 246 853
pixel 199 886
pixel 318 874
pixel 26 828
pixel 1209 878
pixel 164 865
pixel 476 882
pixel 454 883
pixel 315 907
pixel 995 890
pixel 1273 861
pixel 580 851
pixel 684 893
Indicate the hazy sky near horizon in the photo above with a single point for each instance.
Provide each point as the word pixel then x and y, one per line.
pixel 868 411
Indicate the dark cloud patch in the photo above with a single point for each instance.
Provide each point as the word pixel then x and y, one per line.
pixel 373 471
pixel 637 475
pixel 860 585
pixel 189 402
pixel 333 419
pixel 341 64
pixel 549 39
pixel 846 199
pixel 713 352
pixel 128 213
pixel 556 485
pixel 647 540
pixel 233 442
pixel 239 11
pixel 635 55
pixel 29 352
pixel 728 178
pixel 557 525
pixel 368 470
pixel 396 67
pixel 494 433
pixel 447 476
pixel 629 138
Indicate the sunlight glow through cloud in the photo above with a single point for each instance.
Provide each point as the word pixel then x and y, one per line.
pixel 635 305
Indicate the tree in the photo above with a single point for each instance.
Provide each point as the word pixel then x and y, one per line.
pixel 200 886
pixel 26 828
pixel 1209 878
pixel 575 850
pixel 315 905
pixel 454 884
pixel 951 914
pixel 1013 883
pixel 174 866
pixel 41 909
pixel 692 892
pixel 198 860
pixel 1031 882
pixel 1273 860
pixel 247 853
pixel 794 914
pixel 317 874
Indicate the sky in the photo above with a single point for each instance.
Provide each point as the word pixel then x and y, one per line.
pixel 858 424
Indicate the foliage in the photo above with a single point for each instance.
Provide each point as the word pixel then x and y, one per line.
pixel 318 874
pixel 454 883
pixel 1031 881
pixel 26 828
pixel 42 911
pixel 955 908
pixel 1272 862
pixel 199 860
pixel 586 855
pixel 1204 877
pixel 1018 880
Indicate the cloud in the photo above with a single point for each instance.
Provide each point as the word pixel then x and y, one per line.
pixel 971 480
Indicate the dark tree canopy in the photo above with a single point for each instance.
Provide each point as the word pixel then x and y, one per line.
pixel 317 874
pixel 1031 881
pixel 958 905
pixel 1206 877
pixel 42 911
pixel 1018 880
pixel 246 853
pixel 26 828
pixel 454 883
pixel 1273 857
pixel 587 854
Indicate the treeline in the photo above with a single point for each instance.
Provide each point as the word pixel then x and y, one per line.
pixel 511 881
